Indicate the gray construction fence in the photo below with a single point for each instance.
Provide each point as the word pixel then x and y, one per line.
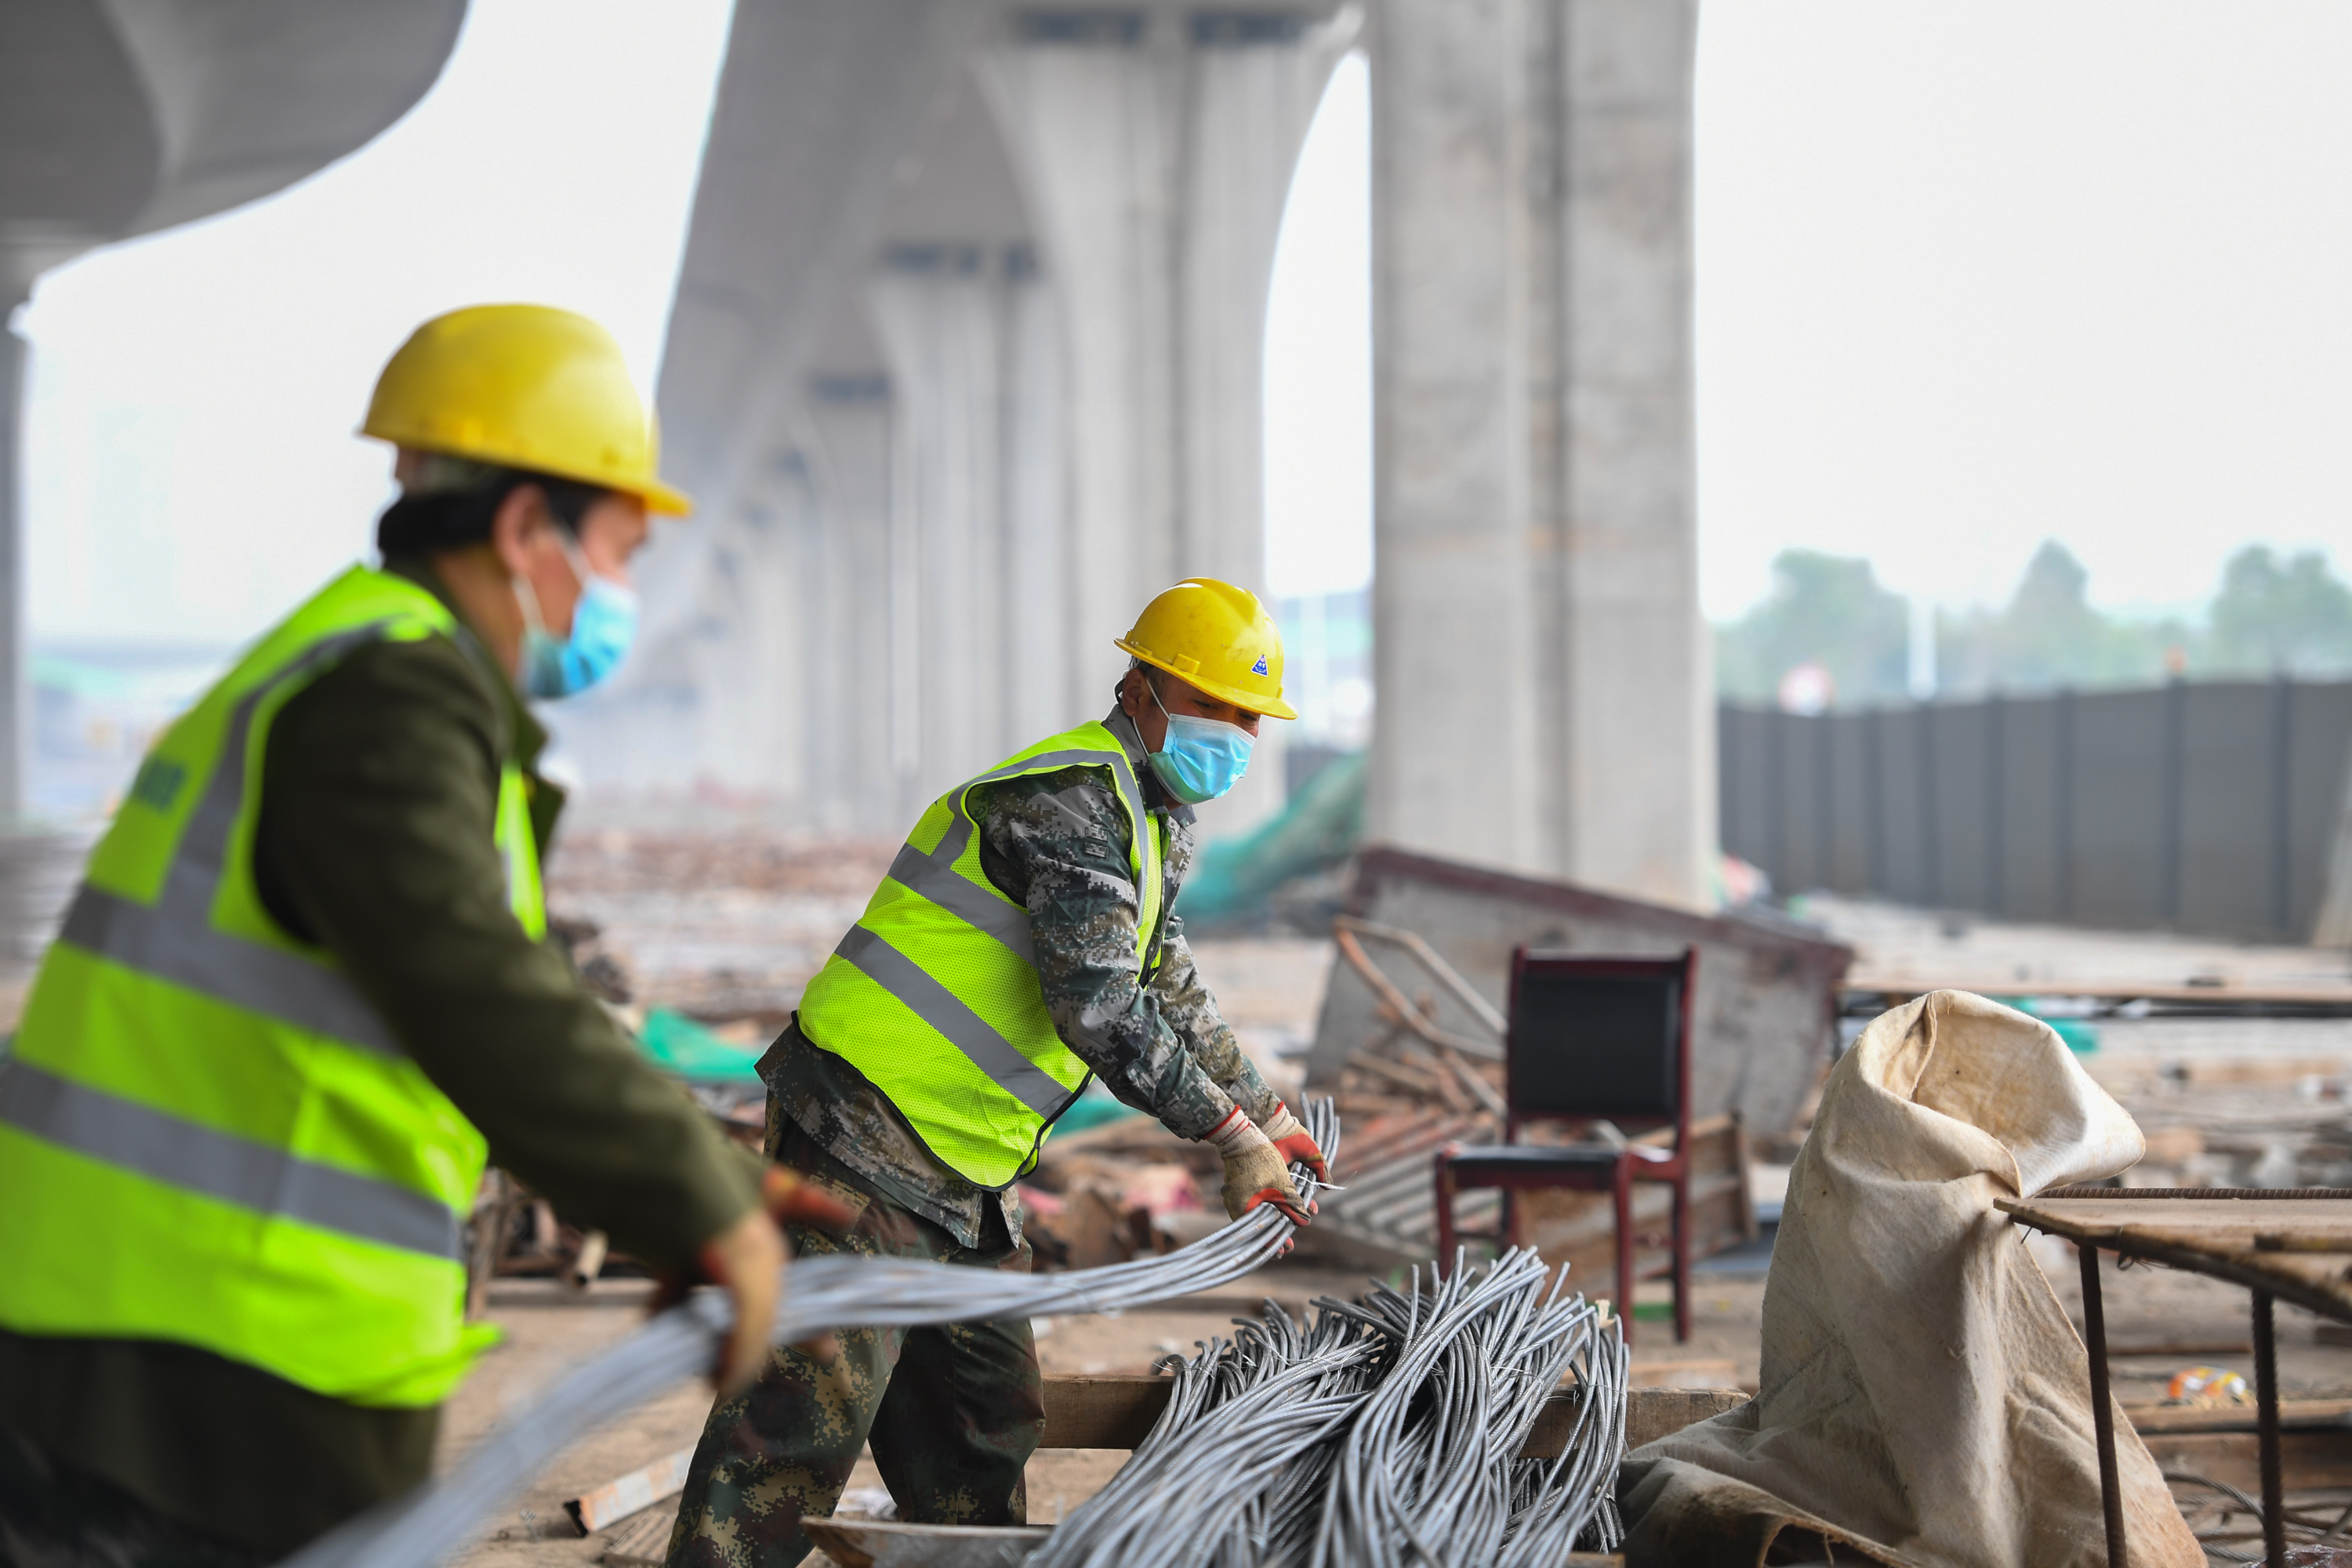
pixel 2211 807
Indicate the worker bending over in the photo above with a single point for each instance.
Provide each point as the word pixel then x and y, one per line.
pixel 1021 943
pixel 303 993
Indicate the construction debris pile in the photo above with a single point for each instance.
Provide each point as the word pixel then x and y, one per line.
pixel 1411 1062
pixel 2243 1121
pixel 1124 1190
pixel 1377 1433
pixel 718 923
pixel 1410 1088
pixel 1412 1026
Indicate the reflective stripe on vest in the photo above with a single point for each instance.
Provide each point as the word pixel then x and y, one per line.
pixel 222 1143
pixel 933 994
pixel 252 1175
pixel 172 938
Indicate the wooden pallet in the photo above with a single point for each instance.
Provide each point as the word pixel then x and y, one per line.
pixel 641 1541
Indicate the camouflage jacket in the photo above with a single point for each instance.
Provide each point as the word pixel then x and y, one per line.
pixel 1056 843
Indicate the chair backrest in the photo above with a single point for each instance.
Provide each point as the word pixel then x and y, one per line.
pixel 1597 1036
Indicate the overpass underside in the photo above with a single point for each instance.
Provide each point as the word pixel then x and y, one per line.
pixel 121 118
pixel 966 362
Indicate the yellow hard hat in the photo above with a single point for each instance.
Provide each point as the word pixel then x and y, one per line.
pixel 1217 637
pixel 525 386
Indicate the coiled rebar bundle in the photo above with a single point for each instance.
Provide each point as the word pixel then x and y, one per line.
pixel 1385 1432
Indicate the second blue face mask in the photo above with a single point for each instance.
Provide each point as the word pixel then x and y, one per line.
pixel 1201 759
pixel 603 629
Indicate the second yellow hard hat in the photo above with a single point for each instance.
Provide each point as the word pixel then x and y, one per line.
pixel 527 386
pixel 1218 637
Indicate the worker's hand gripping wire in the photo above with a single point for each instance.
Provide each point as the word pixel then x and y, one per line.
pixel 1256 1171
pixel 1297 1144
pixel 747 1260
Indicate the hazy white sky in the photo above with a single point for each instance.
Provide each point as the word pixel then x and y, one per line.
pixel 1971 273
pixel 1975 273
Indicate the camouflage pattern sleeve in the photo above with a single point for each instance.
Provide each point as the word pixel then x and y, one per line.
pixel 1058 843
pixel 1192 1012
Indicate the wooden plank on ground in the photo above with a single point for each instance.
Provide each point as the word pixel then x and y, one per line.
pixel 642 1542
pixel 880 1543
pixel 1649 1413
pixel 2293 1413
pixel 624 1495
pixel 1706 1371
pixel 1655 1412
pixel 1103 1412
pixel 2310 1460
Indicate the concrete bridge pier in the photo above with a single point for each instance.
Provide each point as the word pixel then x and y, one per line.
pixel 938 313
pixel 756 681
pixel 1155 151
pixel 1543 701
pixel 853 781
pixel 1044 690
pixel 15 705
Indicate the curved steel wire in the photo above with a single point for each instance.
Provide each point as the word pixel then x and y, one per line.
pixel 2302 1526
pixel 821 1293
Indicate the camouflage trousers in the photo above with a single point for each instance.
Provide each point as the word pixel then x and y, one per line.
pixel 952 1413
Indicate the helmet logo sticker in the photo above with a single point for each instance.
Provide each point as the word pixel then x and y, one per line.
pixel 1259 668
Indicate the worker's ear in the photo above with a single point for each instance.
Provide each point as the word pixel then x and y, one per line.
pixel 520 528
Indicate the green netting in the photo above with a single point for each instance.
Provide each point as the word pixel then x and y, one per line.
pixel 2080 1034
pixel 1094 1108
pixel 1316 831
pixel 676 1044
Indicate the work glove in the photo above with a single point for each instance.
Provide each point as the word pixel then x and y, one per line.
pixel 747 1262
pixel 1255 1172
pixel 1297 1145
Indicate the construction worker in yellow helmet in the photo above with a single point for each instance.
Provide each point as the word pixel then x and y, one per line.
pixel 1022 945
pixel 304 993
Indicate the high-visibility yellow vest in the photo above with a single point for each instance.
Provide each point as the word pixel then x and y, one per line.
pixel 934 995
pixel 208 1134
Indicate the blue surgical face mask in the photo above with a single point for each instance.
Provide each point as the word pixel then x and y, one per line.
pixel 1201 759
pixel 604 627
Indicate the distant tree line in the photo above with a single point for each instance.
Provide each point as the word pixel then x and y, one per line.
pixel 2272 614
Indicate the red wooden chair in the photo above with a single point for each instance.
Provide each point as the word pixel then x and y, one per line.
pixel 1589 1039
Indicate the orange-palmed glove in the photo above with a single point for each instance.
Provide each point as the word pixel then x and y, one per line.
pixel 1297 1145
pixel 1255 1172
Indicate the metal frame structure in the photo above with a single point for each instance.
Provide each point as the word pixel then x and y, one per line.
pixel 2062 1211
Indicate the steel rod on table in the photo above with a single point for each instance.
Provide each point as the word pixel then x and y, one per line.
pixel 2103 1408
pixel 2266 1407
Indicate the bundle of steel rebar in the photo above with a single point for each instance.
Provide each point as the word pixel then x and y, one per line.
pixel 1383 1432
pixel 820 1294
